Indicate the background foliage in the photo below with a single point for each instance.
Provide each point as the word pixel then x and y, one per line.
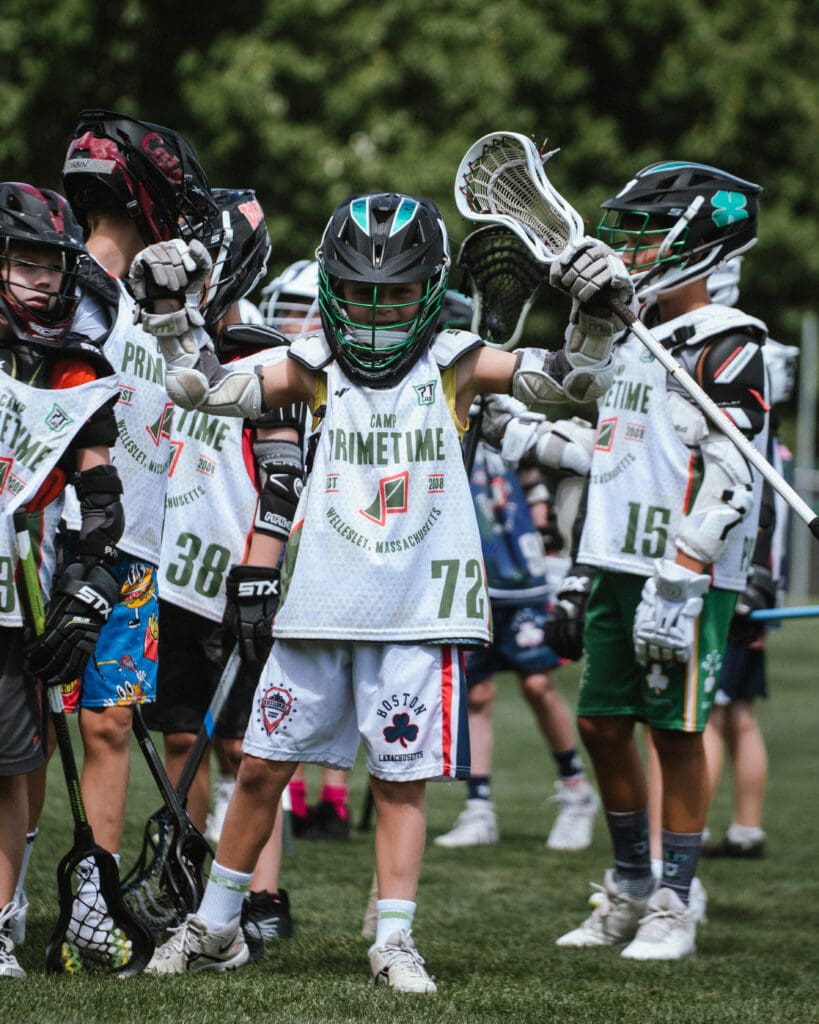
pixel 309 100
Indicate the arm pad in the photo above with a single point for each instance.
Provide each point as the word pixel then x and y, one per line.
pixel 280 477
pixel 103 517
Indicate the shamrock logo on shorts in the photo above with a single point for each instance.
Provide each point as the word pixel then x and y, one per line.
pixel 401 730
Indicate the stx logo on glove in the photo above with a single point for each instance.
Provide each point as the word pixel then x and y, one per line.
pixel 92 597
pixel 258 588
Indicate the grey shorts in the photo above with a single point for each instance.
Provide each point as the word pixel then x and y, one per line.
pixel 22 722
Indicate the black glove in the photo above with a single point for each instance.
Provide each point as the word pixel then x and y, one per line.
pixel 759 592
pixel 564 621
pixel 252 599
pixel 81 601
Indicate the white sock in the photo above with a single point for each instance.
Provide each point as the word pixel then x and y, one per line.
pixel 657 867
pixel 392 916
pixel 224 893
pixel 19 898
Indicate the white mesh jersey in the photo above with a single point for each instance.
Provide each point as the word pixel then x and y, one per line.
pixel 385 546
pixel 209 505
pixel 36 427
pixel 143 452
pixel 643 477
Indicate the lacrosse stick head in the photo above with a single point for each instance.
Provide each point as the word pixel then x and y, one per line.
pixel 149 890
pixel 504 277
pixel 677 221
pixel 96 933
pixel 501 179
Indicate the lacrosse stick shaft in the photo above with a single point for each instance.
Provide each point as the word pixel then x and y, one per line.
pixel 717 416
pixel 36 610
pixel 220 695
pixel 807 611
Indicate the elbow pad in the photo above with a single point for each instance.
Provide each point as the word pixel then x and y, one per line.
pixel 101 512
pixel 725 498
pixel 280 478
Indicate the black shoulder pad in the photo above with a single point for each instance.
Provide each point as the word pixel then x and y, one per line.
pixel 242 339
pixel 92 277
pixel 78 346
pixel 731 369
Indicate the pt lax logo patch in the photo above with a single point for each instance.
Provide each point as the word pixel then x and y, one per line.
pixel 401 731
pixel 58 418
pixel 275 705
pixel 605 435
pixel 390 500
pixel 425 393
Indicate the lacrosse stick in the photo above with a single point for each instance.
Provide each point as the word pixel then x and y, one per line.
pixel 167 880
pixel 806 611
pixel 501 179
pixel 107 938
pixel 504 279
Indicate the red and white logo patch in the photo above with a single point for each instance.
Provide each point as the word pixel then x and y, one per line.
pixel 274 706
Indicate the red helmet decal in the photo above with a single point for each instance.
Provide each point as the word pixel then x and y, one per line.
pixel 154 146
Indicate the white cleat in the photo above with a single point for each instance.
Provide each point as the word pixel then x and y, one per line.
pixel 399 965
pixel 477 825
pixel 614 919
pixel 574 824
pixel 192 947
pixel 668 930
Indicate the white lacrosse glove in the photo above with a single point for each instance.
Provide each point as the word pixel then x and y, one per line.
pixel 666 616
pixel 170 269
pixel 589 267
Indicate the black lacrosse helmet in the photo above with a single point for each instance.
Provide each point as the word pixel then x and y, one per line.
pixel 694 215
pixel 36 220
pixel 239 245
pixel 384 238
pixel 152 171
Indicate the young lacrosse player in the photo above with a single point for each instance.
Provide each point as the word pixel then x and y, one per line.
pixel 670 530
pixel 56 397
pixel 383 581
pixel 130 183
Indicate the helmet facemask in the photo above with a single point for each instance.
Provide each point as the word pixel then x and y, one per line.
pixel 383 270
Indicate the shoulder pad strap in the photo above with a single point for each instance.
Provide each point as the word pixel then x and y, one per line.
pixel 312 352
pixel 715 319
pixel 448 346
pixel 94 278
pixel 238 339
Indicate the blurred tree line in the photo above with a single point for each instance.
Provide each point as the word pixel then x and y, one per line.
pixel 308 101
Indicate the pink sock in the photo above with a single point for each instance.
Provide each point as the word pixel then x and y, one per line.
pixel 298 797
pixel 337 796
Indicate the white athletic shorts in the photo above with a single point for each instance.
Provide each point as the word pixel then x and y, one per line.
pixel 316 700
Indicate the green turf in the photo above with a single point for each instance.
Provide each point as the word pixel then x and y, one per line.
pixel 487 917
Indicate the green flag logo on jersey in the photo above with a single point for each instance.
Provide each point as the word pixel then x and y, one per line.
pixel 425 392
pixel 390 500
pixel 58 418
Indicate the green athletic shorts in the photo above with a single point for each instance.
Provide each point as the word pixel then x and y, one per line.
pixel 668 696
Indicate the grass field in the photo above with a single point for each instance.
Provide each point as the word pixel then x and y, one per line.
pixel 488 916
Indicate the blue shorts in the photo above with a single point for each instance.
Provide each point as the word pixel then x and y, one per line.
pixel 743 674
pixel 124 667
pixel 518 645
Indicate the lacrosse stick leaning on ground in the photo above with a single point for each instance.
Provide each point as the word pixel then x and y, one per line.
pixel 87 876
